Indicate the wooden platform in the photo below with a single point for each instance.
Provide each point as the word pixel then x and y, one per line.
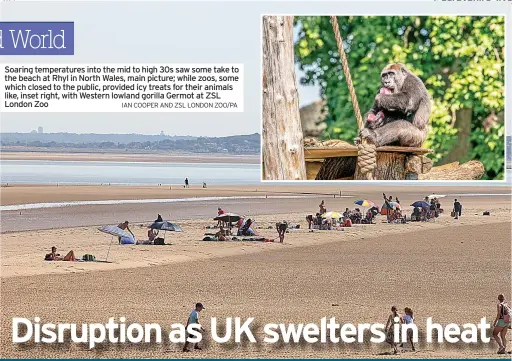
pixel 318 154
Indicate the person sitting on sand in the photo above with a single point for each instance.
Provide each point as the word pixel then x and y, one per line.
pixel 346 214
pixel 501 324
pixel 222 233
pixel 408 318
pixel 124 227
pixel 393 319
pixel 54 256
pixel 246 229
pixel 152 233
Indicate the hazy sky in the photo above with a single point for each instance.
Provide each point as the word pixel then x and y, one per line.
pixel 181 32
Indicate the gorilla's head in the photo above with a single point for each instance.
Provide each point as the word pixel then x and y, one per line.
pixel 392 77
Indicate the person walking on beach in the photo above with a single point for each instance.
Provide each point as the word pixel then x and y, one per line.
pixel 186 182
pixel 408 318
pixel 457 209
pixel 501 324
pixel 193 318
pixel 393 319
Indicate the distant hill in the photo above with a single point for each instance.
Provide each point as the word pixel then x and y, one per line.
pixel 237 144
pixel 75 138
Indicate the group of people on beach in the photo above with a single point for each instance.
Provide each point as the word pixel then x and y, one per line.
pixel 501 325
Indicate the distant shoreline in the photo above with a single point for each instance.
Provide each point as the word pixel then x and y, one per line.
pixel 77 156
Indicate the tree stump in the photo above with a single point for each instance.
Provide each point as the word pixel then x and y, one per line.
pixel 390 166
pixel 283 152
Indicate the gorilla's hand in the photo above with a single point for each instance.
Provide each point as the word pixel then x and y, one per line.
pixel 368 134
pixel 375 120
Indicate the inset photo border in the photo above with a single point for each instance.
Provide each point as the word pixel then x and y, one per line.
pixel 385 98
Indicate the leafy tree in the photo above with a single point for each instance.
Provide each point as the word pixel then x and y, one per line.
pixel 460 59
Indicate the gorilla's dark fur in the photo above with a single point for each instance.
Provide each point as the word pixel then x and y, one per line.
pixel 406 110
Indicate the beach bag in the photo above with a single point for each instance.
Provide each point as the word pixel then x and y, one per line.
pixel 506 310
pixel 452 214
pixel 88 258
pixel 159 241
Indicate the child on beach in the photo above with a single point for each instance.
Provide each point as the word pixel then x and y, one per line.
pixel 408 318
pixel 193 318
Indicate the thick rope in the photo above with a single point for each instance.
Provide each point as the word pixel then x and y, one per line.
pixel 367 156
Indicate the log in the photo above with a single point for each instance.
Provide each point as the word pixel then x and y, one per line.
pixel 472 170
pixel 336 168
pixel 283 150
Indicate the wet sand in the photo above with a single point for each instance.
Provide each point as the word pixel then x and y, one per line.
pixel 131 157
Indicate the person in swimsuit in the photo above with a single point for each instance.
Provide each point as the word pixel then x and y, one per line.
pixel 124 227
pixel 393 319
pixel 54 256
pixel 501 324
pixel 322 208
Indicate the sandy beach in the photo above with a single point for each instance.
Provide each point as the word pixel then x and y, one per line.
pixel 450 269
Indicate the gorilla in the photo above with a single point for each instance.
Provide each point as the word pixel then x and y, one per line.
pixel 400 112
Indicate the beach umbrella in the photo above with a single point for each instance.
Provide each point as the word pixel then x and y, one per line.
pixel 332 214
pixel 228 217
pixel 385 207
pixel 392 204
pixel 364 203
pixel 165 226
pixel 114 231
pixel 420 204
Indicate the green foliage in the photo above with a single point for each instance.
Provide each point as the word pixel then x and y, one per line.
pixel 460 59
